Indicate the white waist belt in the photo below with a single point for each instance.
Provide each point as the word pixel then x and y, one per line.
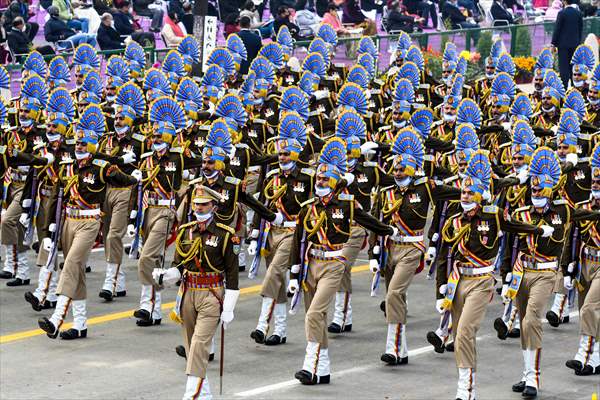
pixel 290 224
pixel 325 254
pixel 16 177
pixel 589 251
pixel 161 202
pixel 476 270
pixel 541 265
pixel 75 212
pixel 254 168
pixel 406 239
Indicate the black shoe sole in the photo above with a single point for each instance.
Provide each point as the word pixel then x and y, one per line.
pixel 501 328
pixel 211 356
pixel 121 294
pixel 334 328
pixel 6 275
pixel 531 394
pixel 35 303
pixel 258 336
pixel 553 319
pixel 436 342
pixel 143 315
pixel 18 282
pixel 518 387
pixel 306 378
pixel 390 359
pixel 106 295
pixel 514 333
pixel 48 327
pixel 180 350
pixel 144 323
pixel 72 334
pixel 275 340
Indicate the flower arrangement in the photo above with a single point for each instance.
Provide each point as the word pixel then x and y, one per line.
pixel 471 56
pixel 524 66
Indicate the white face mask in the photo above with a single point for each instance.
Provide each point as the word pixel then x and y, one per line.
pixel 211 175
pixel 596 194
pixel 594 102
pixel 539 202
pixel 158 147
pixel 25 122
pixel 203 217
pixel 402 182
pixel 578 83
pixel 468 206
pixel 322 191
pixel 52 138
pixel 287 166
pixel 548 110
pixel 352 163
pixel 490 75
pixel 521 168
pixel 81 155
pixel 449 117
pixel 121 130
pixel 399 124
pixel 111 99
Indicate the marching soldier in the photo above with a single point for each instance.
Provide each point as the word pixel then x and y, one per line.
pixel 583 62
pixel 206 264
pixel 85 181
pixel 593 99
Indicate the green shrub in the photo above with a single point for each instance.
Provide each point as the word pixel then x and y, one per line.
pixel 484 44
pixel 522 43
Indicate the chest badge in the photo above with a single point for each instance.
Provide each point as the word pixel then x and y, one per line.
pixel 362 178
pixel 212 241
pixel 235 161
pixel 579 175
pixel 269 113
pixel 199 142
pixel 299 187
pixel 225 194
pixel 414 198
pixel 170 167
pixel 89 179
pixel 337 213
pixel 556 220
pixel 252 133
pixel 483 227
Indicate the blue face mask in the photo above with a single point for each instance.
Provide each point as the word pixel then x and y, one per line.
pixel 287 166
pixel 122 130
pixel 203 217
pixel 352 163
pixel 80 155
pixel 158 147
pixel 596 194
pixel 539 202
pixel 402 182
pixel 322 191
pixel 25 122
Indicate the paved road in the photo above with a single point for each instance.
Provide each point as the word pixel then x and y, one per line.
pixel 119 360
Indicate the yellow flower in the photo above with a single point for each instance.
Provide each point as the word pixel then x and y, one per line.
pixel 524 63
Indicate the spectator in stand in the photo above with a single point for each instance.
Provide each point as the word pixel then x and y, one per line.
pixel 500 13
pixel 307 21
pixel 108 37
pixel 4 54
pixel 321 7
pixel 65 13
pixel 173 31
pixel 20 43
pixel 124 24
pixel 399 20
pixel 176 6
pixel 188 18
pixel 424 9
pixel 83 10
pixel 56 30
pixel 567 35
pixel 553 10
pixel 352 14
pixel 252 42
pixel 104 6
pixel 15 9
pixel 332 18
pixel 151 9
pixel 458 19
pixel 251 12
pixel 284 17
pixel 232 24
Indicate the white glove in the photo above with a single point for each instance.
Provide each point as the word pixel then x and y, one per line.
pixel 186 175
pixel 130 230
pixel 486 195
pixel 26 203
pixel 368 148
pixel 374 265
pixel 548 231
pixel 133 214
pixel 49 158
pixel 24 219
pixel 349 177
pixel 438 305
pixel 47 244
pixel 2 212
pixel 431 253
pixel 278 221
pixel 571 266
pixel 523 175
pixel 568 282
pixel 395 231
pixel 572 158
pixel 252 247
pixel 231 297
pixel 137 174
pixel 435 237
pixel 52 227
pixel 293 286
pixel 376 250
pixel 506 126
pixel 321 94
pixel 169 276
pixel 128 157
pixel 254 234
pixel 554 129
pixel 504 293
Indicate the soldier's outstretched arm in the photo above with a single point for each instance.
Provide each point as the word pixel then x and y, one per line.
pixel 371 223
pixel 255 205
pixel 115 176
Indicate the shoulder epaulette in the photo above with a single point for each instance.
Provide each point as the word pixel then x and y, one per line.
pixel 346 197
pixel 375 91
pixel 232 180
pixel 100 163
pixel 378 81
pixel 438 123
pixel 521 209
pixel 450 179
pixel 559 202
pixel 424 86
pixel 313 113
pixel 259 121
pixel 421 181
pixel 138 137
pixel 428 157
pixel 272 172
pixel 2 149
pixel 227 228
pixel 370 164
pixel 490 209
pixel 308 202
pixel 70 142
pixel 204 127
pixel 582 203
pixel 148 154
pixel 384 128
pixel 242 146
pixel 185 226
pixel 177 150
pixel 308 171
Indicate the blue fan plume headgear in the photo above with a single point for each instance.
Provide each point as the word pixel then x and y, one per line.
pixel 237 48
pixel 358 75
pixel 568 129
pixel 92 124
pixel 34 93
pixel 351 127
pixel 409 70
pixel 478 174
pixel 404 95
pixel 218 144
pixel 213 82
pixel 574 100
pixel 117 71
pixel 521 107
pixel 422 120
pixel 415 55
pixel 524 140
pixel 308 83
pixel 583 61
pixel 292 134
pixel 173 67
pixel 450 57
pixel 544 170
pixel 461 65
pixel 223 58
pixel 294 99
pixel 454 95
pixel 189 48
pixel 366 61
pixel 284 38
pixel 506 64
pixel 503 90
pixel 468 112
pixel 274 53
pixel 595 82
pixel 333 162
pixel 409 150
pixel 156 84
pixel 35 63
pixel 553 87
pixel 352 96
pixel 167 117
pixel 85 58
pixel 403 45
pixel 495 52
pixel 318 45
pixel 328 34
pixel 366 45
pixel 595 162
pixel 466 143
pixel 130 102
pixel 231 109
pixel 92 83
pixel 135 56
pixel 265 74
pixel 315 64
pixel 3 114
pixel 61 109
pixel 544 62
pixel 58 71
pixel 4 78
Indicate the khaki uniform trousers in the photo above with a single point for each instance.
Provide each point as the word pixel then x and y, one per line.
pixel 274 285
pixel 350 251
pixel 183 209
pixel 45 217
pixel 116 217
pixel 589 299
pixel 157 220
pixel 322 283
pixel 532 300
pixel 470 302
pixel 201 312
pixel 12 231
pixel 78 237
pixel 403 261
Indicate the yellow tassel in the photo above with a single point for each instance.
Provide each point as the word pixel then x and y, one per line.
pixel 174 317
pixel 446 304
